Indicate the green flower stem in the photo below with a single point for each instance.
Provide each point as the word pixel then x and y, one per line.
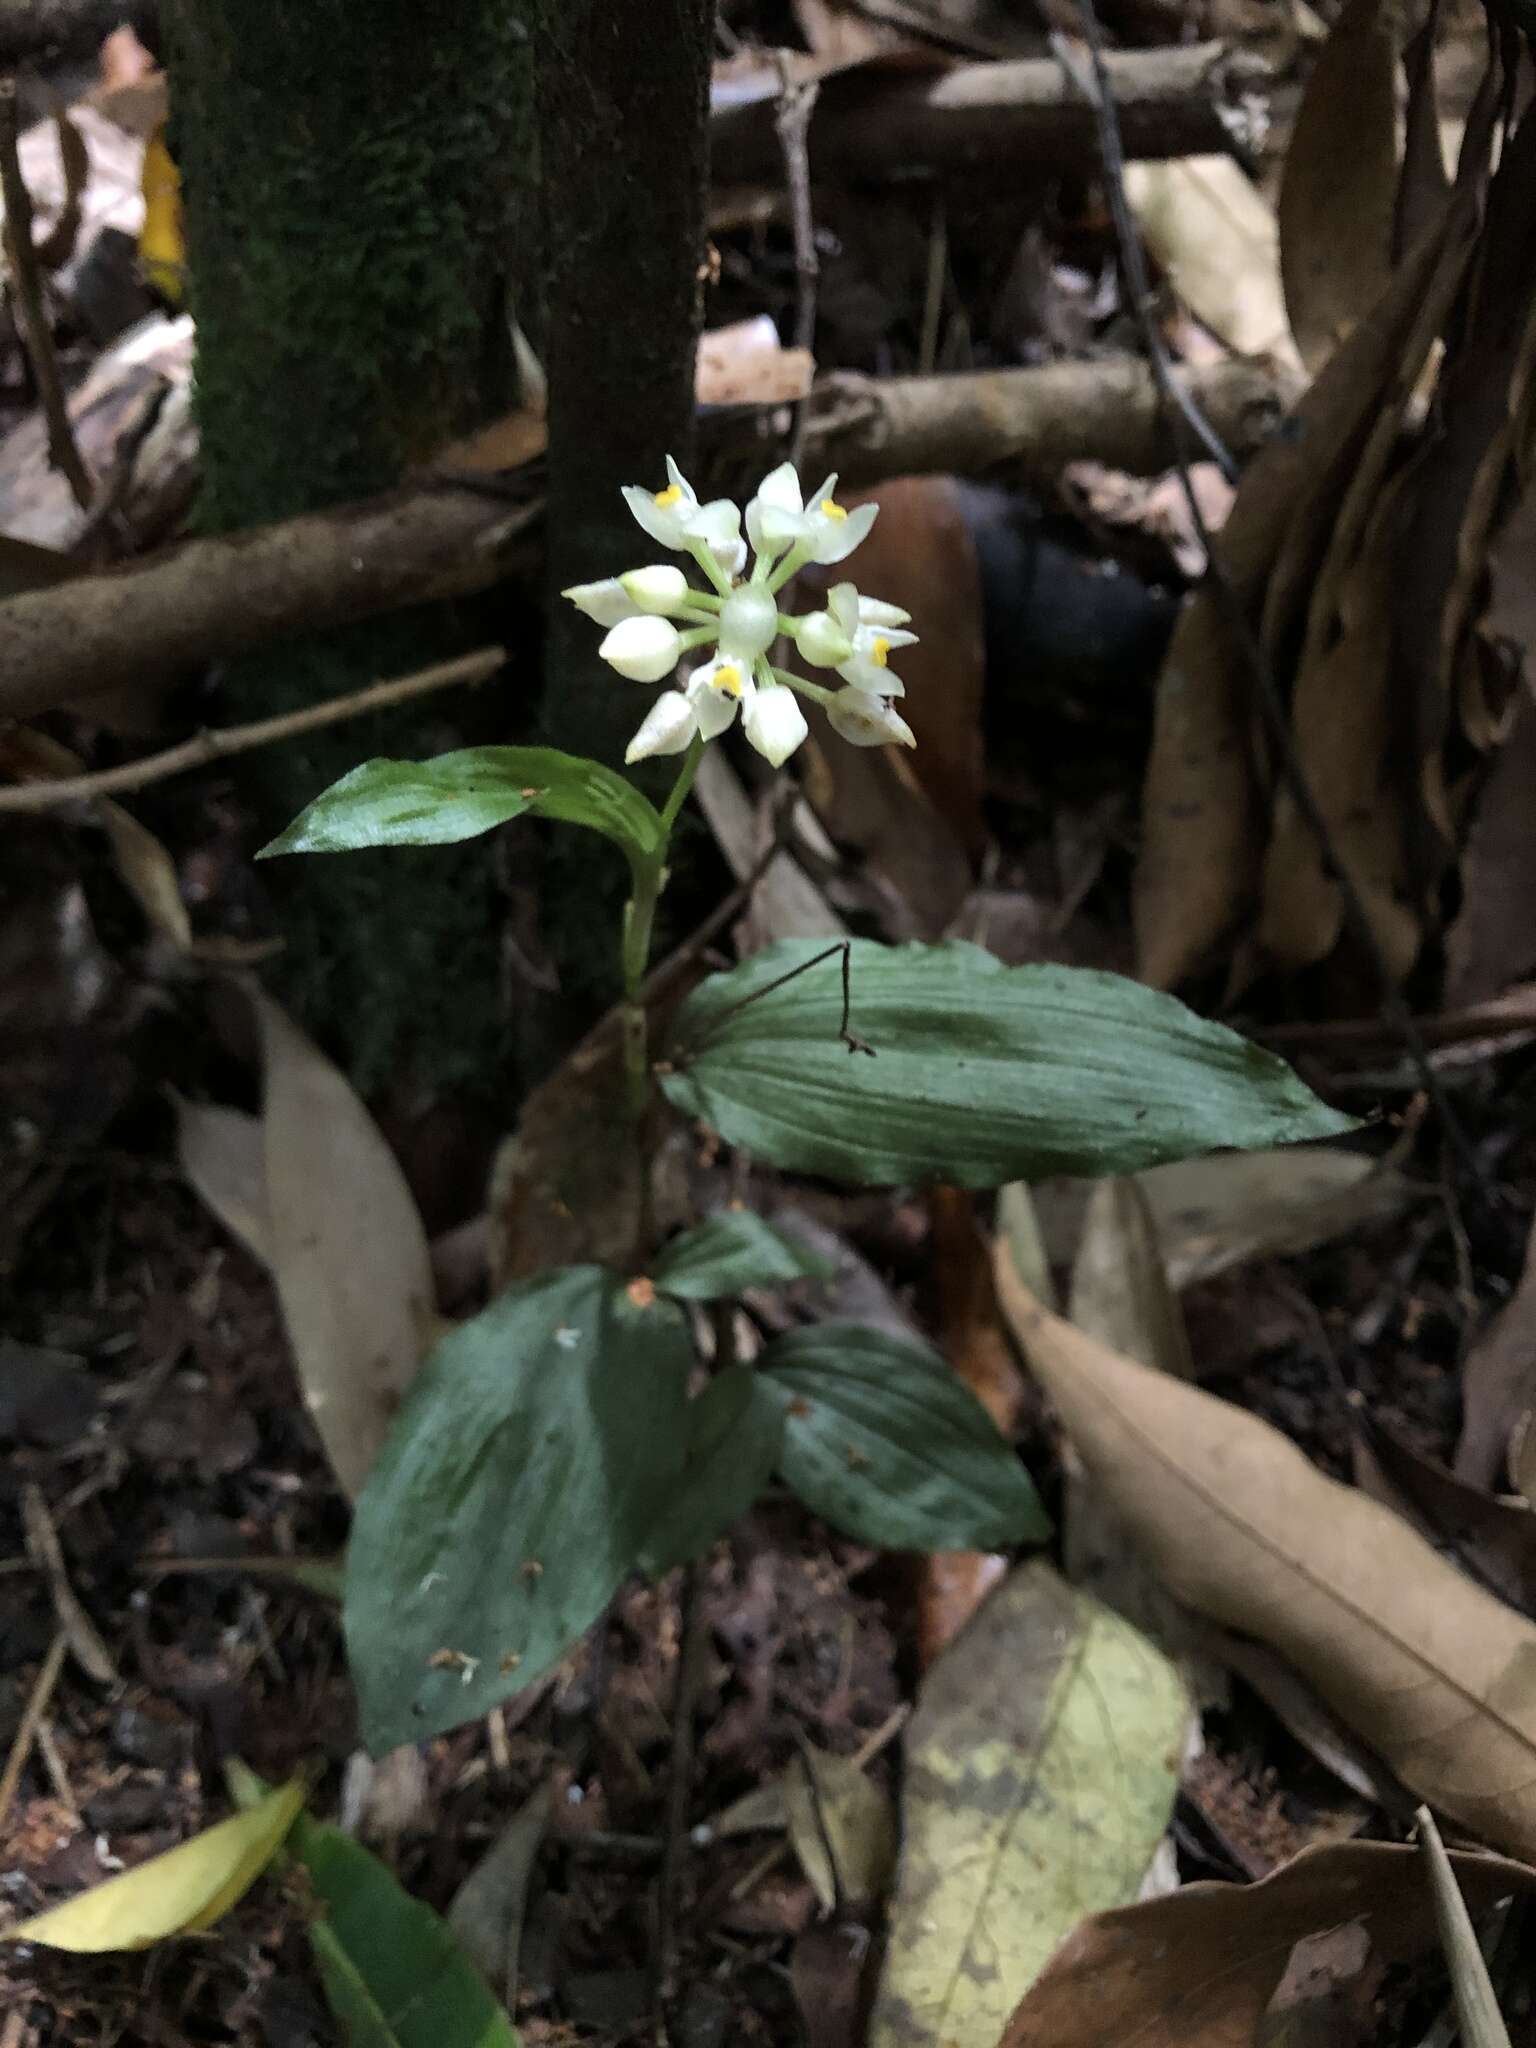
pixel 650 878
pixel 704 555
pixel 791 565
pixel 702 601
pixel 802 688
pixel 697 636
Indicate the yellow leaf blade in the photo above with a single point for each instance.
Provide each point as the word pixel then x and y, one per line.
pixel 188 1888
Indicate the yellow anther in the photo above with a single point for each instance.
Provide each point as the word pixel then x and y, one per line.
pixel 727 678
pixel 880 651
pixel 832 510
pixel 670 496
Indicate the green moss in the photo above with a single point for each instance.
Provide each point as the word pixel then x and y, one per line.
pixel 357 184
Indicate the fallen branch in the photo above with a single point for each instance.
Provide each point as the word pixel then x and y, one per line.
pixel 33 30
pixel 204 747
pixel 210 599
pixel 1107 411
pixel 990 121
pixel 31 307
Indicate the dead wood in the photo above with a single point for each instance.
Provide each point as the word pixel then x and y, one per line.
pixel 990 121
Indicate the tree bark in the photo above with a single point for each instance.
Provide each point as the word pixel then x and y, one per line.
pixel 623 99
pixel 351 179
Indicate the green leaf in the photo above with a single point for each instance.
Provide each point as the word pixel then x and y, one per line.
pixel 393 1974
pixel 733 1442
pixel 511 1498
pixel 881 1439
pixel 731 1252
pixel 1041 1767
pixel 980 1073
pixel 458 796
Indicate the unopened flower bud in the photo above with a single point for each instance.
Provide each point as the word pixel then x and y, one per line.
pixel 822 640
pixel 660 589
pixel 644 649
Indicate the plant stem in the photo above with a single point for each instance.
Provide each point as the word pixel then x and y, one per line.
pixel 650 878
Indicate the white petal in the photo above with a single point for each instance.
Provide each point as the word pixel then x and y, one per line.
pixel 874 612
pixel 778 529
pixel 819 497
pixel 868 721
pixel 644 649
pixel 660 589
pixel 846 606
pixel 675 476
pixel 774 723
pixel 718 523
pixel 836 539
pixel 735 561
pixel 668 727
pixel 780 488
pixel 661 522
pixel 713 706
pixel 872 677
pixel 606 601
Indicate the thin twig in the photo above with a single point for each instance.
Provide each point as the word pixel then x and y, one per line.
pixel 690 1663
pixel 1180 407
pixel 792 121
pixel 27 277
pixel 240 739
pixel 36 1707
pixel 47 1553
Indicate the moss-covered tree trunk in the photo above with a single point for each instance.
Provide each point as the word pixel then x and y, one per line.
pixel 355 181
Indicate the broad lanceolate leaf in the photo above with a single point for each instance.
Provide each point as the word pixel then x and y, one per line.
pixel 523 1474
pixel 733 1441
pixel 974 1072
pixel 883 1440
pixel 731 1252
pixel 188 1888
pixel 1042 1764
pixel 459 796
pixel 1435 1673
pixel 393 1973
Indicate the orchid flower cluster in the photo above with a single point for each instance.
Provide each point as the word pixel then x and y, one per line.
pixel 656 617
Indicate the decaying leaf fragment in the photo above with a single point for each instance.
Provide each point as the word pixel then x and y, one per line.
pixel 1041 1767
pixel 1198 1968
pixel 1437 1675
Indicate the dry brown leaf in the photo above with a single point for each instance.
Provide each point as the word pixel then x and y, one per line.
pixel 921 547
pixel 349 1254
pixel 786 903
pixel 1198 1969
pixel 557 1197
pixel 1492 1537
pixel 843 1828
pixel 1498 1386
pixel 1202 823
pixel 1345 717
pixel 952 1585
pixel 1438 1674
pixel 1339 188
pixel 1214 235
pixel 222 1155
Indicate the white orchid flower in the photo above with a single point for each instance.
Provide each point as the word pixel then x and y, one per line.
pixel 643 648
pixel 779 518
pixel 866 721
pixel 774 723
pixel 675 517
pixel 607 601
pixel 874 631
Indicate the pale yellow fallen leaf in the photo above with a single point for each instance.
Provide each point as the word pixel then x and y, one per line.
pixel 188 1888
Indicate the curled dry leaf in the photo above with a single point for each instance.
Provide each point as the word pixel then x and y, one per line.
pixel 1202 805
pixel 1439 1675
pixel 349 1254
pixel 1198 1968
pixel 1339 189
pixel 843 1829
pixel 1214 235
